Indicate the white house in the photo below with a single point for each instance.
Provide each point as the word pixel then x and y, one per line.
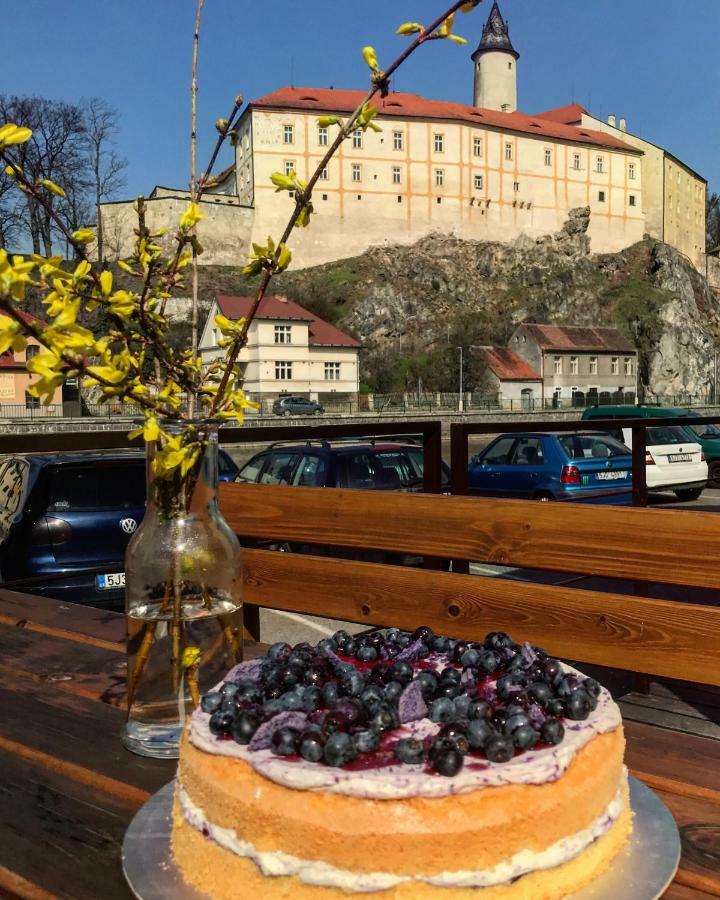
pixel 289 350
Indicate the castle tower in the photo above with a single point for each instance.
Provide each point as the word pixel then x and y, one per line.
pixel 495 66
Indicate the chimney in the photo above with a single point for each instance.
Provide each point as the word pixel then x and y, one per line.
pixel 623 125
pixel 612 120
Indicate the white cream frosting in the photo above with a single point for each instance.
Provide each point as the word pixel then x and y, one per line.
pixel 316 872
pixel 399 780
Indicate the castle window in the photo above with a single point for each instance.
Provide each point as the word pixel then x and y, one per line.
pixel 548 157
pixel 576 161
pixel 439 177
pixel 31 351
pixel 399 198
pixel 601 196
pixel 397 175
pixel 289 166
pixel 288 134
pixel 631 171
pixel 324 174
pixel 558 365
pixel 283 334
pixel 398 140
pixel 628 365
pixel 615 366
pixel 478 182
pixel 356 172
pixel 516 186
pixel 439 143
pixel 508 151
pixel 631 199
pixel 593 365
pixel 600 164
pixel 477 146
pixel 509 65
pixel 574 365
pixel 439 200
pixel 323 136
pixel 283 371
pixel 357 139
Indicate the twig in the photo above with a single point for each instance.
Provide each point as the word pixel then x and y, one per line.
pixel 149 629
pixel 193 171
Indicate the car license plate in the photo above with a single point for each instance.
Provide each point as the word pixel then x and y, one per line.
pixel 680 457
pixel 110 582
pixel 611 476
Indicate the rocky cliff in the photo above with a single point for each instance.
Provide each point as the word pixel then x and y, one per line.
pixel 409 303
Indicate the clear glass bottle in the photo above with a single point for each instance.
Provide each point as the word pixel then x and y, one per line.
pixel 183 600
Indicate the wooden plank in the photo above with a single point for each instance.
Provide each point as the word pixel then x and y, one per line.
pixel 683 892
pixel 59 837
pixel 674 546
pixel 52 616
pixel 699 824
pixel 656 636
pixel 674 721
pixel 687 765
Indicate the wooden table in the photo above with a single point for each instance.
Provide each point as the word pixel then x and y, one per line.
pixel 68 789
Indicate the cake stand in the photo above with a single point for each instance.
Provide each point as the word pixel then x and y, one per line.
pixel 642 871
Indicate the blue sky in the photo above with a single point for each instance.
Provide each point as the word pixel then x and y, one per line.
pixel 651 62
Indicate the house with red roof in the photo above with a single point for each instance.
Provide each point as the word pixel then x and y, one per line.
pixel 15 380
pixel 289 351
pixel 513 377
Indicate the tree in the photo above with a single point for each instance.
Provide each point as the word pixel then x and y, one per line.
pixel 712 221
pixel 107 168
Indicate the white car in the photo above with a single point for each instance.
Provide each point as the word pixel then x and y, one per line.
pixel 673 463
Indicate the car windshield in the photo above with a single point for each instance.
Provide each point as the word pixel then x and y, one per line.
pixel 592 446
pixel 665 434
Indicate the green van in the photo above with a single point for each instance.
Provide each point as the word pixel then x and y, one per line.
pixel 707 435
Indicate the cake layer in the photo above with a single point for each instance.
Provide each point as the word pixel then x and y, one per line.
pixel 486 826
pixel 218 872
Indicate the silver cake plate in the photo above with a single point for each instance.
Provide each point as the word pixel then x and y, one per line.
pixel 642 871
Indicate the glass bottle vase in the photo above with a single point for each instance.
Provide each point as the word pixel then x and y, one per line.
pixel 183 599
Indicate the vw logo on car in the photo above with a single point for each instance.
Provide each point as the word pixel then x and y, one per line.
pixel 128 525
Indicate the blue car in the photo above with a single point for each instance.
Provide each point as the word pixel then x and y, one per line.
pixel 582 466
pixel 66 519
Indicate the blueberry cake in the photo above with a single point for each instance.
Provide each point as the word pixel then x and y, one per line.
pixel 396 766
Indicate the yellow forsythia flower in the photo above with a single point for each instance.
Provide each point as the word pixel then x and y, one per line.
pixel 51 186
pixel 84 235
pixel 106 280
pixel 370 58
pixel 191 216
pixel 13 134
pixel 410 28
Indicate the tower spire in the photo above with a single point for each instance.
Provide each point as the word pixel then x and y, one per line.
pixel 495 36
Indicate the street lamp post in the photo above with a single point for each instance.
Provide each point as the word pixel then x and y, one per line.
pixel 460 398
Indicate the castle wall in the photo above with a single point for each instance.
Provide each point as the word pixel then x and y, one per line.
pixel 496 81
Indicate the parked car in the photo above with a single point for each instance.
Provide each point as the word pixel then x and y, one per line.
pixel 705 434
pixel 363 465
pixel 66 519
pixel 578 466
pixel 675 460
pixel 297 406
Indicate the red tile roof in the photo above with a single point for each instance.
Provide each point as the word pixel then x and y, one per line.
pixel 575 337
pixel 322 100
pixel 565 115
pixel 322 333
pixel 508 366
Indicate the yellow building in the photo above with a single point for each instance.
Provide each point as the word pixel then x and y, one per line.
pixel 15 401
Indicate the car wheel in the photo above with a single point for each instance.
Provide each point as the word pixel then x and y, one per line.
pixel 318 412
pixel 287 412
pixel 690 494
pixel 544 497
pixel 714 474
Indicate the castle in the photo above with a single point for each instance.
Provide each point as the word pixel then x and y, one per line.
pixel 485 171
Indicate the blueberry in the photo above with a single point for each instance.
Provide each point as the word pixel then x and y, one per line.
pixel 462 706
pixel 393 689
pixel 553 669
pixel 450 675
pixel 456 733
pixel 292 700
pixel 401 671
pixel 353 683
pixel 339 749
pixel 285 741
pixel 221 722
pixel 375 639
pixel 410 751
pixel 272 691
pixel 440 644
pixel 352 709
pixel 592 687
pixel 441 709
pixel 517 720
pixel 403 639
pixel 470 658
pixel 555 707
pixel 279 651
pixel 423 651
pixel 248 693
pixel 499 749
pixel 367 653
pixel 372 696
pixel 479 709
pixel 525 737
pixel 366 741
pixel 334 721
pixel 299 659
pixel 327 644
pixel 349 648
pixel 392 634
pixel 541 692
pixel 311 746
pixel 428 682
pixel 458 650
pixel 510 685
pixel 383 719
pixel 488 661
pixel 228 690
pixel 210 702
pixel 273 706
pixel 340 637
pixel 344 668
pixel 577 706
pixel 497 640
pixel 311 699
pixel 498 719
pixel 448 689
pixel 245 725
pixel 424 633
pixel 448 762
pixel 331 694
pixel 290 675
pixel 479 733
pixel 552 731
